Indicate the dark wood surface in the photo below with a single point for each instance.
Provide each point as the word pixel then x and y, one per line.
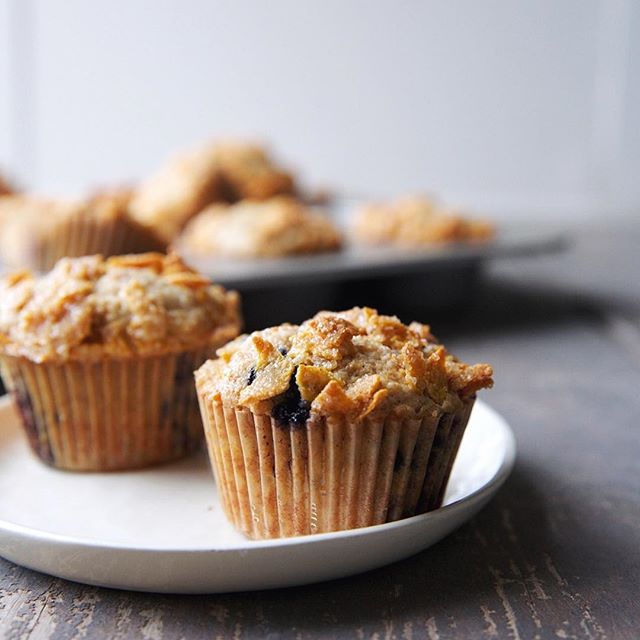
pixel 555 555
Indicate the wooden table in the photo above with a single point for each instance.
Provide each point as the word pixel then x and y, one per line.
pixel 555 555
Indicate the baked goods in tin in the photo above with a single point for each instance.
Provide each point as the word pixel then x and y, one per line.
pixel 27 223
pixel 417 221
pixel 168 199
pixel 215 172
pixel 348 420
pixel 249 171
pixel 37 232
pixel 99 353
pixel 6 188
pixel 251 229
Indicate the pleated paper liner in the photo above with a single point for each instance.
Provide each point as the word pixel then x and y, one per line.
pixel 445 447
pixel 326 475
pixel 83 235
pixel 109 414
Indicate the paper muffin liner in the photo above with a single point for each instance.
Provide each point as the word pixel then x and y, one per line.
pixel 82 235
pixel 448 436
pixel 329 474
pixel 109 414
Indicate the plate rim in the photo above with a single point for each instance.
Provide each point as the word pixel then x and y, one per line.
pixel 31 534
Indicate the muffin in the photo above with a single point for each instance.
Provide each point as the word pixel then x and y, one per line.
pixel 5 188
pixel 348 420
pixel 277 227
pixel 249 172
pixel 99 356
pixel 417 221
pixel 27 222
pixel 184 186
pixel 37 232
pixel 217 172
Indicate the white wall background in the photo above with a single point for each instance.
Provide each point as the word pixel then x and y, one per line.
pixel 515 108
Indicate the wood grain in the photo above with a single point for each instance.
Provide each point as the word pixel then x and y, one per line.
pixel 555 555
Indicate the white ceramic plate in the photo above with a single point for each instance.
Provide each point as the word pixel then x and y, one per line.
pixel 163 529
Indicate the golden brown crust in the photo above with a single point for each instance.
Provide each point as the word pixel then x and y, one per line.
pixel 466 379
pixel 27 221
pixel 276 227
pixel 184 186
pixel 249 172
pixel 91 308
pixel 351 363
pixel 109 203
pixel 38 231
pixel 416 221
pixel 215 172
pixel 6 189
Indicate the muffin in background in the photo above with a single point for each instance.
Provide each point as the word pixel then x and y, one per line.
pixel 168 199
pixel 215 172
pixel 37 232
pixel 417 221
pixel 28 222
pixel 6 189
pixel 348 420
pixel 249 172
pixel 99 353
pixel 280 226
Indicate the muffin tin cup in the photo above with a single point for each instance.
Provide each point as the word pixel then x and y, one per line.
pixel 82 235
pixel 109 414
pixel 329 474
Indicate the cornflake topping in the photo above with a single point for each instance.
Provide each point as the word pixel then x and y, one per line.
pixel 126 305
pixel 353 362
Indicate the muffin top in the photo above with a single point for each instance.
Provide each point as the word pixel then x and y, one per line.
pixel 215 172
pixel 276 227
pixel 249 172
pixel 25 208
pixel 88 308
pixel 185 185
pixel 34 226
pixel 350 363
pixel 108 204
pixel 26 220
pixel 416 221
pixel 5 188
pixel 43 214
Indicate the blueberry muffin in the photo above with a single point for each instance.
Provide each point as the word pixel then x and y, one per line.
pixel 99 356
pixel 417 221
pixel 216 172
pixel 280 226
pixel 37 232
pixel 348 420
